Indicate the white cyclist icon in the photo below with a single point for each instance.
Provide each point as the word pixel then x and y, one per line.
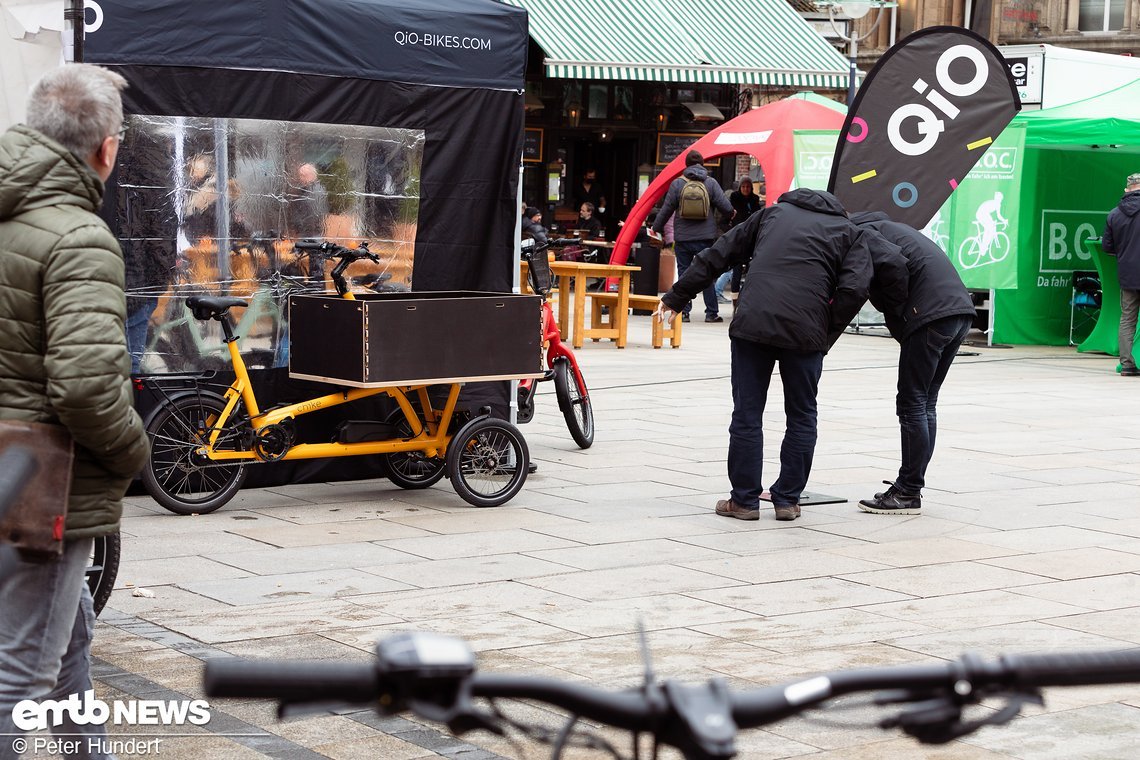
pixel 989 244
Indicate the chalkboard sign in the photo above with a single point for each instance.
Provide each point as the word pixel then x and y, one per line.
pixel 532 145
pixel 673 144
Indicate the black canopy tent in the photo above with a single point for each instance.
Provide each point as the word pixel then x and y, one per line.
pixel 452 69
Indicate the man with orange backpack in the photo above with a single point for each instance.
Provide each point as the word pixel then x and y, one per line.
pixel 692 201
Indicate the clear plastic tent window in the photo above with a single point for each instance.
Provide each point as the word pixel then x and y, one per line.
pixel 284 181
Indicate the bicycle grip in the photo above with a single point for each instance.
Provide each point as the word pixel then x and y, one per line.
pixel 314 681
pixel 1074 669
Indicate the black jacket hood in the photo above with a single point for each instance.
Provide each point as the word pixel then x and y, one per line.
pixel 865 217
pixel 1130 203
pixel 814 200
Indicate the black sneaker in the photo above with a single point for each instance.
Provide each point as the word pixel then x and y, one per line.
pixel 685 318
pixel 892 502
pixel 714 318
pixel 1129 372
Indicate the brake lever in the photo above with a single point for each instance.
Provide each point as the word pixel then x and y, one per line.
pixel 939 720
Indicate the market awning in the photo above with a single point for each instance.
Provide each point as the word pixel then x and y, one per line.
pixel 755 42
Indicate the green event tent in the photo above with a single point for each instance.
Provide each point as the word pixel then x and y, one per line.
pixel 1072 168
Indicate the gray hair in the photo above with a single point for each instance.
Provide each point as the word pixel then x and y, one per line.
pixel 77 105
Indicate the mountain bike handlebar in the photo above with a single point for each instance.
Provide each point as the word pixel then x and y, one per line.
pixel 318 250
pixel 434 677
pixel 551 243
pixel 329 249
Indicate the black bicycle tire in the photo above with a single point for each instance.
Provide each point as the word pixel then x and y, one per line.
pixel 397 459
pixel 582 431
pixel 232 481
pixel 101 574
pixel 458 453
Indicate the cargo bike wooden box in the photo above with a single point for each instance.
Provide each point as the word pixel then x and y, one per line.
pixel 402 343
pixel 397 344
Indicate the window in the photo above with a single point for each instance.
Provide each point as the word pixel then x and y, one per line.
pixel 623 102
pixel 1101 15
pixel 599 107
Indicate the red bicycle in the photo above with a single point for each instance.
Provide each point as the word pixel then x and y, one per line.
pixel 562 367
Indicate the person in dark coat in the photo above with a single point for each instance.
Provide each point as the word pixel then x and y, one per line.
pixel 532 225
pixel 694 235
pixel 809 272
pixel 588 223
pixel 745 203
pixel 1122 239
pixel 930 327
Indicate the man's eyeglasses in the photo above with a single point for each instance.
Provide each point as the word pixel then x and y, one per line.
pixel 122 132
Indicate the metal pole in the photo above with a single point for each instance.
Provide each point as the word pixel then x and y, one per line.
pixel 853 72
pixel 74 16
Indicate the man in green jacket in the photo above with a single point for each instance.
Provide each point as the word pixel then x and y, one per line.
pixel 63 360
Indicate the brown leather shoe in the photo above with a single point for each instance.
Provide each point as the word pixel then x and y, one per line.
pixel 729 508
pixel 787 511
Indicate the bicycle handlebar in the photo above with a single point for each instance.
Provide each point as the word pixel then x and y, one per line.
pixel 330 249
pixel 700 719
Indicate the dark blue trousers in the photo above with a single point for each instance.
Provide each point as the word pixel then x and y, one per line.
pixel 752 366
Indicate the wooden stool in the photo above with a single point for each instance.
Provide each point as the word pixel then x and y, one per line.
pixel 660 330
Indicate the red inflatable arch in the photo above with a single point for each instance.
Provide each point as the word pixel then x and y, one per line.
pixel 764 132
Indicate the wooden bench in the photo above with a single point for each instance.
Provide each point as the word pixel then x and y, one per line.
pixel 661 330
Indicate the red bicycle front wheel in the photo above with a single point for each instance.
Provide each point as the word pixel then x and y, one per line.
pixel 574 401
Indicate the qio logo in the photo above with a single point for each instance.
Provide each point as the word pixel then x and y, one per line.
pixel 929 126
pixel 29 715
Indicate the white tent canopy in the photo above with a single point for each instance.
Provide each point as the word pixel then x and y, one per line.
pixel 31 43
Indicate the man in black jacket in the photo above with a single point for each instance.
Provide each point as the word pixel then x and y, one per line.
pixel 1122 240
pixel 930 326
pixel 809 272
pixel 692 236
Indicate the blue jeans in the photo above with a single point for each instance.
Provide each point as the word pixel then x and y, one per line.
pixel 924 360
pixel 686 251
pixel 752 366
pixel 139 309
pixel 46 621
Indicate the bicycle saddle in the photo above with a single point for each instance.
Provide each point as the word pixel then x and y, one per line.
pixel 212 307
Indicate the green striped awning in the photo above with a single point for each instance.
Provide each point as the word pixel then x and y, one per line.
pixel 756 42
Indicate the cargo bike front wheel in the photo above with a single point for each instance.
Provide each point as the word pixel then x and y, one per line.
pixel 487 462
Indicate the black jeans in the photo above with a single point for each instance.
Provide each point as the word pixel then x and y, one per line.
pixel 752 365
pixel 924 360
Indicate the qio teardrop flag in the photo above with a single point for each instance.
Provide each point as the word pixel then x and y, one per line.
pixel 924 116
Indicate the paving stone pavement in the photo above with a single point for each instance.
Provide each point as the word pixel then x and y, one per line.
pixel 1029 541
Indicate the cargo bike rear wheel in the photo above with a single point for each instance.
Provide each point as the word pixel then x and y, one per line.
pixel 487 462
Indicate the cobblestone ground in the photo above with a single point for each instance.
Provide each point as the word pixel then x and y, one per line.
pixel 1029 541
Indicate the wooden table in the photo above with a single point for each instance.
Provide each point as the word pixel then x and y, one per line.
pixel 576 274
